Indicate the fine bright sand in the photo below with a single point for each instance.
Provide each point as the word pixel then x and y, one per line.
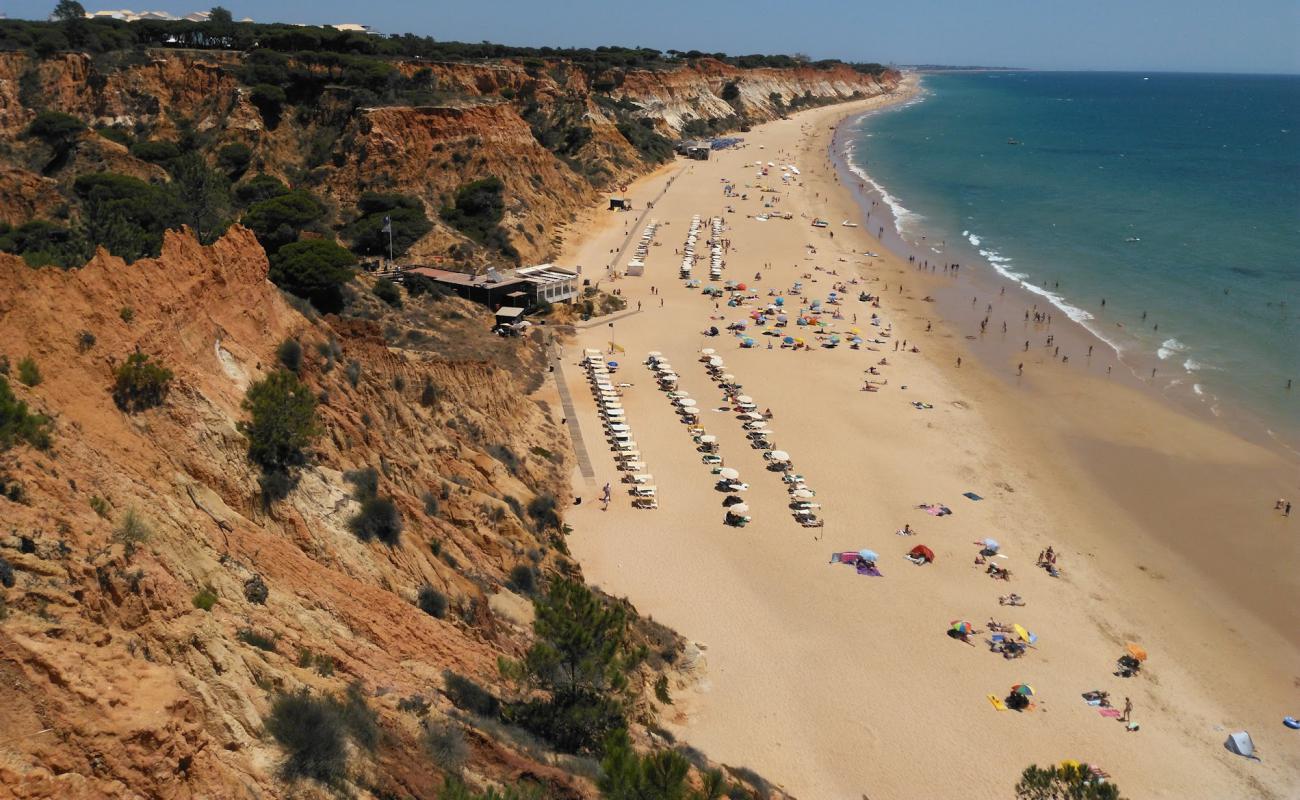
pixel 835 685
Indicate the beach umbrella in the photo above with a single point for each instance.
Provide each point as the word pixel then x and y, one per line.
pixel 742 287
pixel 685 402
pixel 779 455
pixel 752 415
pixel 788 340
pixel 962 627
pixel 708 351
pixel 857 340
pixel 613 363
pixel 691 412
pixel 854 330
pixel 1023 689
pixel 1137 651
pixel 654 354
pixel 780 301
pixel 708 438
pixel 804 494
pixel 728 473
pixel 921 551
pixel 730 284
pixel 745 400
pixel 740 508
pixel 1024 634
pixel 868 555
pixel 715 361
pixel 728 377
pixel 748 342
pixel 991 544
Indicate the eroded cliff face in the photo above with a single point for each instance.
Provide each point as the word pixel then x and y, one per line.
pixel 488 119
pixel 117 684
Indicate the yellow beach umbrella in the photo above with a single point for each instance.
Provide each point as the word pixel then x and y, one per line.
pixel 1024 634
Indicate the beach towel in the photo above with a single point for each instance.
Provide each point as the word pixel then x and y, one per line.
pixel 997 703
pixel 971 495
pixel 934 511
pixel 844 558
pixel 869 570
pixel 1113 713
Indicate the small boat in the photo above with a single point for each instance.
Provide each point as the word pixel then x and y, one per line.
pixel 848 224
pixel 1133 239
pixel 1014 141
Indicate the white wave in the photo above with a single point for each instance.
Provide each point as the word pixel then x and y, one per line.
pixel 1192 365
pixel 904 219
pixel 1169 347
pixel 1200 390
pixel 972 238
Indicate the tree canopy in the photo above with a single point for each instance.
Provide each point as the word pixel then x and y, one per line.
pixel 315 269
pixel 367 234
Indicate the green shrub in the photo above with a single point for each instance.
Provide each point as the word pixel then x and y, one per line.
pixel 353 373
pixel 205 598
pixel 140 384
pixel 125 214
pixel 85 341
pixel 406 215
pixel 156 152
pixel 429 393
pixel 269 100
pixel 365 483
pixel 289 354
pixel 258 188
pixel 278 220
pixel 477 212
pixel 430 501
pixel 234 158
pixel 282 424
pixel 542 509
pixel 251 637
pixel 55 128
pixel 523 579
pixel 127 314
pixel 315 269
pixel 132 532
pixel 377 519
pixel 446 745
pixel 114 134
pixel 467 695
pixel 43 243
pixel 7 578
pixel 653 147
pixel 17 424
pixel 661 690
pixel 387 291
pixel 311 731
pixel 1064 781
pixel 28 373
pixel 432 602
pixel 100 506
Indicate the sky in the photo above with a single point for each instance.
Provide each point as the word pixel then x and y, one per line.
pixel 1172 35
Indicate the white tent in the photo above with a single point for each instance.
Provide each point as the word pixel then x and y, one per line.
pixel 1241 744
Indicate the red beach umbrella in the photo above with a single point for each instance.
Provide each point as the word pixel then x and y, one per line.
pixel 921 551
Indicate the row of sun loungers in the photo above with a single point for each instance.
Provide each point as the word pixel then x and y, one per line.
pixel 715 249
pixel 637 265
pixel 754 422
pixel 706 444
pixel 609 403
pixel 688 252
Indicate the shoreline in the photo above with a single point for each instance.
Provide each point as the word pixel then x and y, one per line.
pixel 785 634
pixel 987 278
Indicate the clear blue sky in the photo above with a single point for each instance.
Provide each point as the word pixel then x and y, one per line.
pixel 1186 35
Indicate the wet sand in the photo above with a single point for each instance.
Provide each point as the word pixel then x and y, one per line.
pixel 838 685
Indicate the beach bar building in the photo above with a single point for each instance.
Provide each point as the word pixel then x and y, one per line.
pixel 526 287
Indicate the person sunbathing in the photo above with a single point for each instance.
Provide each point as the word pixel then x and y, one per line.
pixel 1011 600
pixel 979 558
pixel 998 626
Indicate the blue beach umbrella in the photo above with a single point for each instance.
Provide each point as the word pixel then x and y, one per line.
pixel 991 545
pixel 788 340
pixel 868 555
pixel 780 301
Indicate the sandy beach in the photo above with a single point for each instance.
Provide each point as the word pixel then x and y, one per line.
pixel 838 685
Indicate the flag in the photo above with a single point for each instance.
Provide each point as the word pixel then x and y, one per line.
pixel 388 225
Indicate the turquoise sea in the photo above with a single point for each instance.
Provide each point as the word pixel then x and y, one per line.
pixel 1176 196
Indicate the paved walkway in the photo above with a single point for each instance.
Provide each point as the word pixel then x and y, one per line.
pixel 571 415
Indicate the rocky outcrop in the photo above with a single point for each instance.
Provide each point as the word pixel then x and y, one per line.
pixel 119 685
pixel 481 124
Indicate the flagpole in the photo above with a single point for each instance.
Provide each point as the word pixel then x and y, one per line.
pixel 390 242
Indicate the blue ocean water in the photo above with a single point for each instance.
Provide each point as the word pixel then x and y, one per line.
pixel 1176 195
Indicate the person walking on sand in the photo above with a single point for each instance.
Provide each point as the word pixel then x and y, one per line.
pixel 606 496
pixel 1128 711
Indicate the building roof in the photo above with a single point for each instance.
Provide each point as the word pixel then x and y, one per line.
pixel 509 312
pixel 540 275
